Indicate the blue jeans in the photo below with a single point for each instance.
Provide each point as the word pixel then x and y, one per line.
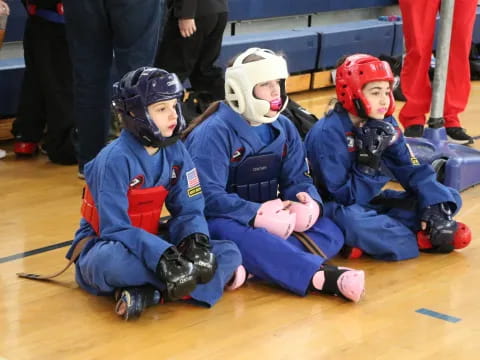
pixel 102 33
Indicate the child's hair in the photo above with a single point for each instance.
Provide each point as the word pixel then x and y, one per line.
pixel 333 104
pixel 213 107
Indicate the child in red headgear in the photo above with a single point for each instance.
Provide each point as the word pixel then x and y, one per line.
pixel 348 150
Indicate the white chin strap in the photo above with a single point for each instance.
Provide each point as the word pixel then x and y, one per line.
pixel 240 80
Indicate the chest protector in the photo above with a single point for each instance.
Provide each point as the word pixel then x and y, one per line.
pixel 144 208
pixel 256 178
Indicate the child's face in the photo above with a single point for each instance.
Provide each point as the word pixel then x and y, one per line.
pixel 164 115
pixel 268 90
pixel 377 94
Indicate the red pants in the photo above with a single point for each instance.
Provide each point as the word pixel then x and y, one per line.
pixel 419 17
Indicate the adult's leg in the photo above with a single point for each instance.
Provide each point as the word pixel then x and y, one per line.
pixel 30 121
pixel 458 76
pixel 270 257
pixel 205 75
pixel 419 18
pixel 176 53
pixel 57 84
pixel 89 37
pixel 135 27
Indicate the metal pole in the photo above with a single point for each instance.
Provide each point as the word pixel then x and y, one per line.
pixel 441 67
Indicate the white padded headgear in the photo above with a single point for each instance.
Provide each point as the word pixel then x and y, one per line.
pixel 240 79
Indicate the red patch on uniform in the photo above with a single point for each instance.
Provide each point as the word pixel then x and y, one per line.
pixel 350 141
pixel 237 155
pixel 175 174
pixel 137 182
pixel 397 135
pixel 285 150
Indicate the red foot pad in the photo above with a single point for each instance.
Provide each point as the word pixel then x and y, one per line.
pixel 463 237
pixel 25 148
pixel 351 252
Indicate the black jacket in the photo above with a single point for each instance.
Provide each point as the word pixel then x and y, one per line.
pixel 190 9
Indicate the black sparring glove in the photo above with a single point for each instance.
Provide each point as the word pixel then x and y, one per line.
pixel 371 140
pixel 178 273
pixel 196 248
pixel 441 227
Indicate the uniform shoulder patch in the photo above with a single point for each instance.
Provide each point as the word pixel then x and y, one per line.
pixel 350 141
pixel 193 183
pixel 137 181
pixel 238 154
pixel 175 174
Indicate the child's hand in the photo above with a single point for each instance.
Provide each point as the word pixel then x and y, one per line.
pixel 4 9
pixel 187 27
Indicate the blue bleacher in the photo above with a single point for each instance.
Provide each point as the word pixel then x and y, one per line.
pixel 300 47
pixel 11 74
pixel 260 9
pixel 16 22
pixel 365 36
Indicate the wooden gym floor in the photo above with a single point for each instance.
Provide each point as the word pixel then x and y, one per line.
pixel 40 205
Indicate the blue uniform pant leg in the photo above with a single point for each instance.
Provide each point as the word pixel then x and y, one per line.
pixel 412 219
pixel 379 235
pixel 327 235
pixel 457 198
pixel 108 265
pixel 268 256
pixel 228 259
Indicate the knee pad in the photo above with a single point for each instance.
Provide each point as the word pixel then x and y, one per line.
pixel 177 273
pixel 196 248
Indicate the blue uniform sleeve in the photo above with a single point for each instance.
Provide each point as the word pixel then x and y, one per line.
pixel 295 175
pixel 334 166
pixel 185 202
pixel 415 177
pixel 109 189
pixel 210 150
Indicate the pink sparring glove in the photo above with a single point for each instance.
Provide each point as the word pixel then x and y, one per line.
pixel 307 211
pixel 275 219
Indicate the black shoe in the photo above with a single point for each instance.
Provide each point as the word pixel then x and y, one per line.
pixel 131 301
pixel 457 135
pixel 414 131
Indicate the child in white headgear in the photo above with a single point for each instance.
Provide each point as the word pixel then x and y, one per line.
pixel 257 186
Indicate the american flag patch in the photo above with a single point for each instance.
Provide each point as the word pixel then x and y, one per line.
pixel 192 178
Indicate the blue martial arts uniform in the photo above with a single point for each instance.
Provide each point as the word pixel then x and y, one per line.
pixel 219 147
pixel 123 255
pixel 384 232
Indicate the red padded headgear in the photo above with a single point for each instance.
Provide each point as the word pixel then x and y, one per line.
pixel 355 72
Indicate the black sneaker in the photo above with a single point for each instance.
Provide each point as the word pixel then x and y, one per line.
pixel 414 131
pixel 457 135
